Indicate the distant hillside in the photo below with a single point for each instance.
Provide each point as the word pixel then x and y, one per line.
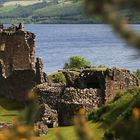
pixel 49 11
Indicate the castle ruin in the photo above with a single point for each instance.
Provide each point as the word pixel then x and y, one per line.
pixel 58 103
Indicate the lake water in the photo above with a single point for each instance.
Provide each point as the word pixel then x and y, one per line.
pixel 97 43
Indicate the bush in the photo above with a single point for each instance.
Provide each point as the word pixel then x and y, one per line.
pixel 101 66
pixel 96 114
pixel 137 73
pixel 57 77
pixel 76 62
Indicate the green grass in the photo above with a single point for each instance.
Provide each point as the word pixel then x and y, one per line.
pixel 9 109
pixel 58 77
pixel 101 119
pixel 68 133
pixel 97 69
pixel 78 70
pixel 45 13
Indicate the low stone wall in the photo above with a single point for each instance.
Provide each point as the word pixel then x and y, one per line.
pixel 49 94
pixel 69 100
pixel 83 96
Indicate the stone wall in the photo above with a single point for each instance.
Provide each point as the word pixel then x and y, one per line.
pixel 17 51
pixel 72 100
pixel 49 94
pixel 67 99
pixel 48 98
pixel 118 80
pixel 109 81
pixel 18 70
pixel 41 76
pixel 58 103
pixel 17 85
pixel 89 90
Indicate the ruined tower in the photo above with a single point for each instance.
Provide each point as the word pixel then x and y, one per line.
pixel 17 62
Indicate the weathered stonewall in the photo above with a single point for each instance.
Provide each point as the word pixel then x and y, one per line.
pixel 89 90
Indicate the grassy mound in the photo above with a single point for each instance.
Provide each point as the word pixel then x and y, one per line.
pixel 58 77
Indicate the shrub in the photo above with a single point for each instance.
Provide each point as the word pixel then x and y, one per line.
pixel 96 114
pixel 137 73
pixel 57 77
pixel 101 66
pixel 76 62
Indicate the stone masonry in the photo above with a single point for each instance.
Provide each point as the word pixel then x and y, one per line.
pixel 91 89
pixel 18 70
pixel 58 103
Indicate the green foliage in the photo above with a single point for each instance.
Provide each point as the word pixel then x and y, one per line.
pixel 118 116
pixel 53 12
pixel 69 133
pixel 101 66
pixel 96 114
pixel 76 62
pixel 71 12
pixel 137 73
pixel 118 109
pixel 57 77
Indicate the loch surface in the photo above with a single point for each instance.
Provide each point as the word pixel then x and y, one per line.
pixel 96 42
